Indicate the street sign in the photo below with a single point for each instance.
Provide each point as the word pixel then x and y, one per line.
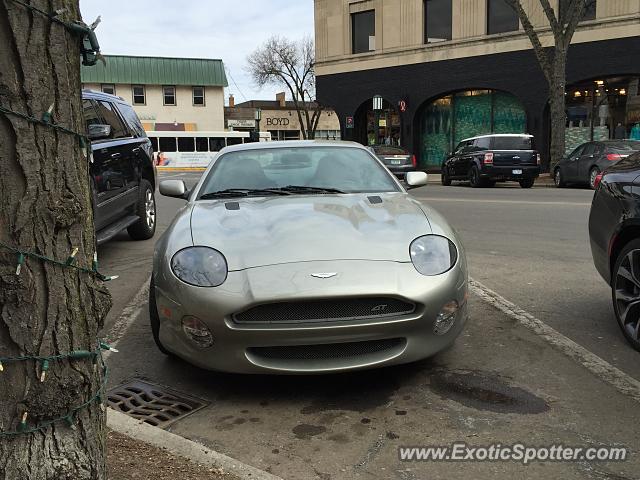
pixel 383 122
pixel 349 122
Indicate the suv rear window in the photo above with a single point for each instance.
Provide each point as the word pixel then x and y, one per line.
pixel 512 143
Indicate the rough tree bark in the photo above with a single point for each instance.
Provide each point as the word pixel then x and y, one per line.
pixel 45 207
pixel 553 61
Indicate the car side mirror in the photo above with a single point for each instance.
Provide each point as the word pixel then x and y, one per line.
pixel 98 131
pixel 174 188
pixel 415 179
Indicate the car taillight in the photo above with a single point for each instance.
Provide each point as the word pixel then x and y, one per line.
pixel 538 159
pixel 613 157
pixel 488 158
pixel 596 182
pixel 414 162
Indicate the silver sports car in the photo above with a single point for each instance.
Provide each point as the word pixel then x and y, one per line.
pixel 305 257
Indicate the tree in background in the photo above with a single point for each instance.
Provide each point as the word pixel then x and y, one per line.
pixel 290 64
pixel 553 60
pixel 52 301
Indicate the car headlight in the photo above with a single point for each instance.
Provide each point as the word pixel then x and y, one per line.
pixel 433 254
pixel 200 266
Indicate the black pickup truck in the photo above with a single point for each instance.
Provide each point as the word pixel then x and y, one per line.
pixel 122 174
pixel 487 159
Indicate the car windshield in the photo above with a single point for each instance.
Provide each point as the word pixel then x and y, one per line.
pixel 295 170
pixel 512 143
pixel 387 150
pixel 623 147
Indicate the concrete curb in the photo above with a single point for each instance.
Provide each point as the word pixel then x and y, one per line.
pixel 197 453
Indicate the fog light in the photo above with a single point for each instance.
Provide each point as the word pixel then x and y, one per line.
pixel 197 331
pixel 446 317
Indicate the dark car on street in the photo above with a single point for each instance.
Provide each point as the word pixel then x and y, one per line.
pixel 487 159
pixel 398 160
pixel 583 164
pixel 614 231
pixel 121 170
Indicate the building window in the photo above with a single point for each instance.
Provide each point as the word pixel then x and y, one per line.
pixel 501 17
pixel 138 94
pixel 198 96
pixel 109 88
pixel 363 31
pixel 437 20
pixel 169 95
pixel 589 12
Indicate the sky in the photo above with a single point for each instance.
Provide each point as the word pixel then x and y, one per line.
pixel 225 29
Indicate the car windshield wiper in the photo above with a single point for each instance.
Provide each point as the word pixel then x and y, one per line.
pixel 305 189
pixel 243 192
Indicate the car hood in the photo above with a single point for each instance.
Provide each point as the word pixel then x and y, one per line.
pixel 253 232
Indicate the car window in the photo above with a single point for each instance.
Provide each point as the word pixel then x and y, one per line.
pixel 576 153
pixel 132 120
pixel 91 116
pixel 109 114
pixel 512 143
pixel 483 143
pixel 599 149
pixel 344 168
pixel 459 148
pixel 589 149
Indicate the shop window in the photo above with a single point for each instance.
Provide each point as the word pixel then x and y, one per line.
pixel 363 31
pixel 167 144
pixel 202 144
pixel 154 143
pixel 169 95
pixel 198 96
pixel 109 88
pixel 437 20
pixel 234 141
pixel 501 17
pixel 589 13
pixel 216 144
pixel 138 95
pixel 186 144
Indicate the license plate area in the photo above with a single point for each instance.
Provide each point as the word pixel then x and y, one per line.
pixel 517 171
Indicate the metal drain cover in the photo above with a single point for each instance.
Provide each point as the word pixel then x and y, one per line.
pixel 153 404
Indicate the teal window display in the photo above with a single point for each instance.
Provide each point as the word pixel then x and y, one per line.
pixel 447 120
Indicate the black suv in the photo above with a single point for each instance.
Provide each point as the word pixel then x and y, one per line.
pixel 486 159
pixel 122 173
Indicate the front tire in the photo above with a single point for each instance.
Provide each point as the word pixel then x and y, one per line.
pixel 593 173
pixel 145 227
pixel 558 179
pixel 154 319
pixel 625 292
pixel 527 182
pixel 474 178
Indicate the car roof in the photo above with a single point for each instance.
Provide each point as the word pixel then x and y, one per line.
pixel 498 135
pixel 101 96
pixel 293 144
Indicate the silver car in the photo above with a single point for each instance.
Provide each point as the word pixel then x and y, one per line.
pixel 305 257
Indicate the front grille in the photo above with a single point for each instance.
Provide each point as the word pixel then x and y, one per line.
pixel 327 351
pixel 325 310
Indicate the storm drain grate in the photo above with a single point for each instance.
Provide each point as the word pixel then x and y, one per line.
pixel 153 404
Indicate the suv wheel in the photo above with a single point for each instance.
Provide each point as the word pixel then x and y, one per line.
pixel 527 182
pixel 625 292
pixel 474 177
pixel 154 318
pixel 445 179
pixel 593 173
pixel 557 178
pixel 145 227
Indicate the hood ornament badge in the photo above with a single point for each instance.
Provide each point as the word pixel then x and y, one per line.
pixel 324 275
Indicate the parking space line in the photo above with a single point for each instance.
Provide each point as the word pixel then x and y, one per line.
pixel 521 202
pixel 602 369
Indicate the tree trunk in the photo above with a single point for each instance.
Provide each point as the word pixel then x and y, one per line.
pixel 45 208
pixel 557 107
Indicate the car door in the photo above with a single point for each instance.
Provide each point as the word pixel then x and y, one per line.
pixel 97 165
pixel 457 161
pixel 118 162
pixel 585 161
pixel 571 165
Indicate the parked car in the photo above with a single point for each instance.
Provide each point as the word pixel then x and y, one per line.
pixel 584 163
pixel 614 231
pixel 305 257
pixel 487 159
pixel 398 160
pixel 122 172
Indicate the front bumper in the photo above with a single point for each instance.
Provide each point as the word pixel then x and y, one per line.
pixel 235 345
pixel 505 172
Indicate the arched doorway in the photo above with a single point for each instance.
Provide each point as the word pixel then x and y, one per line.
pixel 441 123
pixel 388 119
pixel 606 108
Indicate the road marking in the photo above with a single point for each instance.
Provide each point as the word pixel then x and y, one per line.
pixel 128 315
pixel 521 202
pixel 622 382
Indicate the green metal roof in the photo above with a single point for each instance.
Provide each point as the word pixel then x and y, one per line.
pixel 156 71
